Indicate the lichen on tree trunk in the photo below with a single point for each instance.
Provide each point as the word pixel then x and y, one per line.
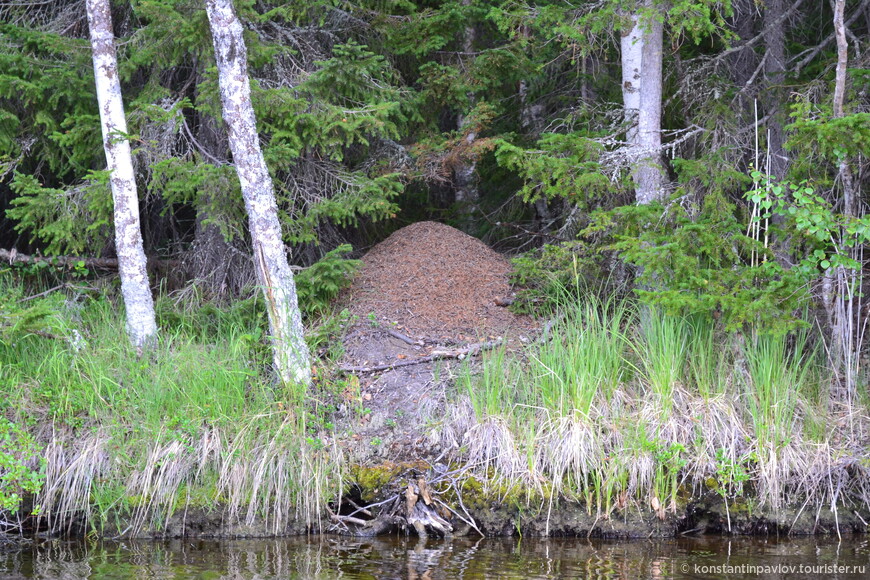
pixel 641 47
pixel 138 302
pixel 273 272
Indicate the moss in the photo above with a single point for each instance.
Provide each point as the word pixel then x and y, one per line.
pixel 372 479
pixel 491 493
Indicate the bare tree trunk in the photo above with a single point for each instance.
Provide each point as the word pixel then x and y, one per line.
pixel 464 177
pixel 273 271
pixel 649 173
pixel 774 73
pixel 642 91
pixel 138 302
pixel 845 329
pixel 850 200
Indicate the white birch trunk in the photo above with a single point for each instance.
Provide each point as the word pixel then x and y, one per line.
pixel 273 271
pixel 138 302
pixel 649 172
pixel 846 339
pixel 632 54
pixel 642 101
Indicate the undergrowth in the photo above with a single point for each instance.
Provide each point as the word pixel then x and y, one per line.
pixel 621 404
pixel 127 442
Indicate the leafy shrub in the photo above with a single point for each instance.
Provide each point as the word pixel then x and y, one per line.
pixel 21 465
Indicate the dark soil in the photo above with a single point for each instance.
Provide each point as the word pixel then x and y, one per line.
pixel 437 287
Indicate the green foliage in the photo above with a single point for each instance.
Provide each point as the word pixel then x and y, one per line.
pixel 321 282
pixel 19 320
pixel 326 124
pixel 731 475
pixel 700 19
pixel 549 275
pixel 708 264
pixel 352 100
pixel 828 233
pixel 21 466
pixel 74 220
pixel 213 189
pixel 831 139
pixel 563 166
pixel 429 29
pixel 47 98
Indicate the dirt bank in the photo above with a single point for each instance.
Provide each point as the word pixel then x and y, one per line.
pixel 427 292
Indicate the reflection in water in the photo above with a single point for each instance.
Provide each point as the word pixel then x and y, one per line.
pixel 330 557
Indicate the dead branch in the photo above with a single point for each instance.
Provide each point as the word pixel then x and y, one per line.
pixel 14 257
pixel 403 338
pixel 470 350
pixel 808 55
pixel 761 35
pixel 468 520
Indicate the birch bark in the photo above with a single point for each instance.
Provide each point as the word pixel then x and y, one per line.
pixel 138 302
pixel 649 172
pixel 642 100
pixel 631 45
pixel 285 320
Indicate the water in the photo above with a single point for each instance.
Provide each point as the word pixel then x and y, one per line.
pixel 384 558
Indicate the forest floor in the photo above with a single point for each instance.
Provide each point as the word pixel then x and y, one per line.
pixel 427 292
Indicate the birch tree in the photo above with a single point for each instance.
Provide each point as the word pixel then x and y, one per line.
pixel 642 99
pixel 138 302
pixel 273 272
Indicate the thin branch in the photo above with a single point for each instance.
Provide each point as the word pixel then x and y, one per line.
pixel 814 52
pixel 13 257
pixel 761 35
pixel 471 350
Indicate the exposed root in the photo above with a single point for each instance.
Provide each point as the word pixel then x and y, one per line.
pixel 415 504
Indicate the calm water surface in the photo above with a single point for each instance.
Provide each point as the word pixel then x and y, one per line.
pixel 384 558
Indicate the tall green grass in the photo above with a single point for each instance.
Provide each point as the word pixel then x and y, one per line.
pixel 583 360
pixel 779 376
pixel 620 403
pixel 182 379
pixel 707 357
pixel 134 439
pixel 578 362
pixel 661 346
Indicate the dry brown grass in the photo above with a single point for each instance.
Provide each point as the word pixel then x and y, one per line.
pixel 616 451
pixel 269 480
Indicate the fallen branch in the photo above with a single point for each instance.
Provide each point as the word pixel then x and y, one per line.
pixel 471 350
pixel 403 338
pixel 60 287
pixel 14 257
